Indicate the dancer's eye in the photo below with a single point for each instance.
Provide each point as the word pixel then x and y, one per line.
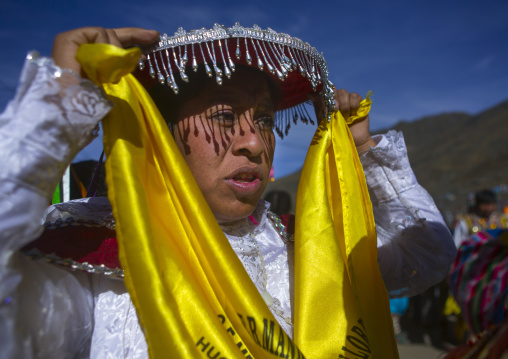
pixel 265 122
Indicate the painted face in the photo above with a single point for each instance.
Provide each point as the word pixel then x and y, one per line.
pixel 225 134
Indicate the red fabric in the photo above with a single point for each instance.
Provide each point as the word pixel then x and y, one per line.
pixel 95 245
pixel 253 220
pixel 288 220
pixel 107 254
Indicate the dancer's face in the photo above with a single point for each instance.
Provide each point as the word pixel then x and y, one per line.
pixel 225 134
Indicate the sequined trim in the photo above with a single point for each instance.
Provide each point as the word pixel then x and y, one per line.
pixel 118 272
pixel 70 221
pixel 280 227
pixel 72 264
pixel 279 54
pixel 287 54
pixel 88 212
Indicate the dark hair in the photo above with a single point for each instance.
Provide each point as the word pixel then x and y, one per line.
pixel 485 196
pixel 169 103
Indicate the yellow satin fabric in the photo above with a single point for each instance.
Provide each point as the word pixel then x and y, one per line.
pixel 363 109
pixel 341 306
pixel 191 293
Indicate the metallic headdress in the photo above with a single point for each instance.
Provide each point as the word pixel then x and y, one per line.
pixel 296 67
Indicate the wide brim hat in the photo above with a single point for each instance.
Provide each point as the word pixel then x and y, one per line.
pixel 295 67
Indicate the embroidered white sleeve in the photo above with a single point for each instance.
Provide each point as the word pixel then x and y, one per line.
pixel 415 247
pixel 117 332
pixel 52 117
pixel 44 311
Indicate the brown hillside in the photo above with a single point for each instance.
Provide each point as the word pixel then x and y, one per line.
pixel 452 155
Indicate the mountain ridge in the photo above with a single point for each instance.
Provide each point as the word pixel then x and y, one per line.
pixel 452 155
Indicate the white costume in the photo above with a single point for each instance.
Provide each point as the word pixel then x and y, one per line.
pixel 48 311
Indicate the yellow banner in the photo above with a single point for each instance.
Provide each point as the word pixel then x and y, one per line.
pixel 191 293
pixel 342 310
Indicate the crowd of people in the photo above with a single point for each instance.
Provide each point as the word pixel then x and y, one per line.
pixel 184 258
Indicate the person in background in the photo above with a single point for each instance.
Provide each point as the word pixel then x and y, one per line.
pixel 478 281
pixel 398 306
pixel 482 216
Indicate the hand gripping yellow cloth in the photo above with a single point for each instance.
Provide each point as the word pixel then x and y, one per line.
pixel 341 304
pixel 192 295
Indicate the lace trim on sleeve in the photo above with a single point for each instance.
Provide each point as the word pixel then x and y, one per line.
pixel 52 117
pixel 115 273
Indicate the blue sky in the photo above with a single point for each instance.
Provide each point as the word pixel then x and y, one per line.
pixel 419 57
